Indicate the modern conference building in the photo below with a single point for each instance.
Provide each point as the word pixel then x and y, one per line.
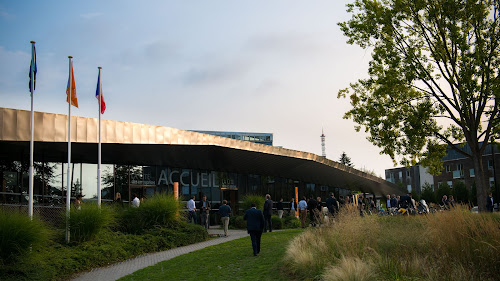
pixel 146 159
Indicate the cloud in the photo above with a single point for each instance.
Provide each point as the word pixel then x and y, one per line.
pixel 5 15
pixel 88 16
pixel 215 73
pixel 287 43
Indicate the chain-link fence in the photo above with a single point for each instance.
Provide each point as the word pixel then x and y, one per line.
pixel 53 215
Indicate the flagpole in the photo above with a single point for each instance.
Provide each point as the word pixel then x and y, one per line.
pixel 99 145
pixel 68 191
pixel 32 75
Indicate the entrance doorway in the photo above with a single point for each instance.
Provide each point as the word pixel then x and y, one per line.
pixel 231 195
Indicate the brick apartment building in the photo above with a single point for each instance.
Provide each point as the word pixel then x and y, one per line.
pixel 456 167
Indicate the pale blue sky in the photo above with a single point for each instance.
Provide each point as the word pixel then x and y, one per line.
pixel 256 66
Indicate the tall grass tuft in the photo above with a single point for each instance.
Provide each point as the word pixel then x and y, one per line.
pixel 158 211
pixel 18 234
pixel 350 269
pixel 462 237
pixel 251 198
pixel 85 223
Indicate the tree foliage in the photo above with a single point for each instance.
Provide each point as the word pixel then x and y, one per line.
pixel 433 78
pixel 345 160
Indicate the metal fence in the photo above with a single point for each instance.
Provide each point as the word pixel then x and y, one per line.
pixel 53 215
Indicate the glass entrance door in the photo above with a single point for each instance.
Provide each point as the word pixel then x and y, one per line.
pixel 231 195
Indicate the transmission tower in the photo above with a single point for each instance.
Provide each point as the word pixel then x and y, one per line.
pixel 323 152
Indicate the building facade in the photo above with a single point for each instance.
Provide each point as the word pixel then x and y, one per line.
pixel 456 167
pixel 146 159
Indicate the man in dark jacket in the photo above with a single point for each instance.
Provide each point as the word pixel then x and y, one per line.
pixel 255 225
pixel 489 202
pixel 312 207
pixel 268 212
pixel 331 204
pixel 204 207
pixel 394 201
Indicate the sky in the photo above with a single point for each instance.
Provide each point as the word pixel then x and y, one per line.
pixel 245 66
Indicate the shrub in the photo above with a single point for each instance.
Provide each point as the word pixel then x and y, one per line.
pixel 85 223
pixel 291 222
pixel 461 192
pixel 443 189
pixel 17 234
pixel 158 211
pixel 238 222
pixel 250 198
pixel 56 261
pixel 277 223
pixel 428 194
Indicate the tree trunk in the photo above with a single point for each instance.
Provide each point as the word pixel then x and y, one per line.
pixel 482 183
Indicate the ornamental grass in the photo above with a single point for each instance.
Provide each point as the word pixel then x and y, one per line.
pixel 449 245
pixel 158 211
pixel 86 222
pixel 19 236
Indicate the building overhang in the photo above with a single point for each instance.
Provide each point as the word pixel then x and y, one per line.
pixel 139 144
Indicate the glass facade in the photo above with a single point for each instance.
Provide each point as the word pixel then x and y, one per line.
pixel 145 181
pixel 262 138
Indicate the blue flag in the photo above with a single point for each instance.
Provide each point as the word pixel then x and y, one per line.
pixel 33 68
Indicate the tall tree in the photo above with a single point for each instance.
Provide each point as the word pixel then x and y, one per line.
pixel 345 160
pixel 433 78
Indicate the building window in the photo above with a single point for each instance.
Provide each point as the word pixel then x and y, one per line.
pixel 400 174
pixel 448 168
pixel 471 173
pixel 492 182
pixel 450 183
pixel 460 167
pixel 408 187
pixel 490 164
pixel 407 173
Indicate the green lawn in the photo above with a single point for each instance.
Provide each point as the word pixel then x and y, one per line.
pixel 233 260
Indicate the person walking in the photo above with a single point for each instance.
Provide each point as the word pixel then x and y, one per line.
pixel 225 212
pixel 255 226
pixel 205 212
pixel 268 212
pixel 191 206
pixel 279 207
pixel 303 211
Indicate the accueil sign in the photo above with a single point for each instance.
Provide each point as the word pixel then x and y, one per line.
pixel 194 179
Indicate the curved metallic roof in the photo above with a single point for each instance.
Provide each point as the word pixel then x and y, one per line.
pixel 140 144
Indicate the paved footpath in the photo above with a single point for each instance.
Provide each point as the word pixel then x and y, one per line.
pixel 118 270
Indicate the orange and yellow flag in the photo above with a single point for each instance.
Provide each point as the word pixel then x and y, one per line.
pixel 74 99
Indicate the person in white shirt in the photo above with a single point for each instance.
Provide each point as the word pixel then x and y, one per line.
pixel 303 211
pixel 191 206
pixel 136 202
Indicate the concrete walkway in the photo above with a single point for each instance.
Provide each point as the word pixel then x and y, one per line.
pixel 118 270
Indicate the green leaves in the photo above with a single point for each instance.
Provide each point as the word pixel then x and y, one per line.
pixel 433 77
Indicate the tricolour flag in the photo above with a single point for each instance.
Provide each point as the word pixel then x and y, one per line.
pixel 74 99
pixel 33 68
pixel 99 91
